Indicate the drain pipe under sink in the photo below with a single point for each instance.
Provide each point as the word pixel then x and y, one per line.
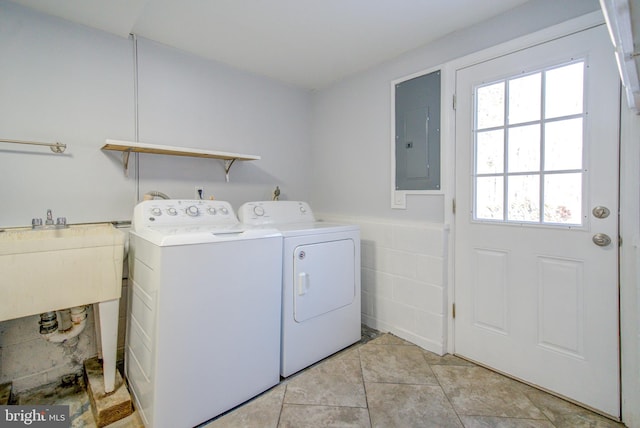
pixel 49 325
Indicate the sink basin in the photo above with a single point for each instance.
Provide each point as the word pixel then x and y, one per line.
pixel 50 269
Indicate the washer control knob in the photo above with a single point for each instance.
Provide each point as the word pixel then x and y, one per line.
pixel 303 210
pixel 192 211
pixel 156 211
pixel 224 210
pixel 259 211
pixel 212 211
pixel 172 211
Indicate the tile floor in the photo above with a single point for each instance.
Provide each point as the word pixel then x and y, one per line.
pixel 388 382
pixel 384 382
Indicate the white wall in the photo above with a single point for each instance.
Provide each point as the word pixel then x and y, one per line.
pixel 351 128
pixel 351 164
pixel 67 83
pixel 351 137
pixel 64 82
pixel 191 102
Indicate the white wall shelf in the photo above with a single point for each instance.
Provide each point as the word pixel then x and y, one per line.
pixel 127 147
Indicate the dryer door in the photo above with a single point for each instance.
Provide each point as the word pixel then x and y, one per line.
pixel 324 278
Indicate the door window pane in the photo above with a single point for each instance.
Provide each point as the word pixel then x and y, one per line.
pixel 524 99
pixel 489 198
pixel 524 198
pixel 564 86
pixel 490 152
pixel 524 148
pixel 528 165
pixel 490 106
pixel 563 198
pixel 563 145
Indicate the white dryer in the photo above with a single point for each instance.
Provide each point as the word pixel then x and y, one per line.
pixel 320 281
pixel 203 327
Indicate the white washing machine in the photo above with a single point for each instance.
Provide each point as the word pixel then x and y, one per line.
pixel 203 328
pixel 320 281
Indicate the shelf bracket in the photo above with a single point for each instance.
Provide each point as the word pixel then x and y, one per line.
pixel 125 162
pixel 227 167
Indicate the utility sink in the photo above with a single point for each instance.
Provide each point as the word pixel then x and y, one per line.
pixel 44 270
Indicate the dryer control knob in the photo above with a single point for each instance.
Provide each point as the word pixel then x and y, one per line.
pixel 192 211
pixel 259 211
pixel 224 211
pixel 156 211
pixel 211 210
pixel 172 211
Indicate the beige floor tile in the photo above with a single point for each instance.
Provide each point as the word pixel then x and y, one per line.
pixel 335 382
pixel 584 420
pixel 399 405
pixel 565 414
pixel 302 416
pixel 350 352
pixel 395 364
pixel 477 391
pixel 495 422
pixel 446 360
pixel 261 412
pixel 389 339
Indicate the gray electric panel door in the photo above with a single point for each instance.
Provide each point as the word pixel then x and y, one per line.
pixel 417 106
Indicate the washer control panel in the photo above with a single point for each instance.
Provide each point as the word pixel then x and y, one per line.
pixel 182 212
pixel 275 212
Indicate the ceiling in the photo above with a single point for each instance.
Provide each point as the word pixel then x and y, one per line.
pixel 306 43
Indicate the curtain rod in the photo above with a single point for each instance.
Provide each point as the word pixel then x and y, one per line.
pixel 55 147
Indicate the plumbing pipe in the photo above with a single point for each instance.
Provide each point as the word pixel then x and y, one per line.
pixel 64 320
pixel 48 322
pixel 79 320
pixel 152 195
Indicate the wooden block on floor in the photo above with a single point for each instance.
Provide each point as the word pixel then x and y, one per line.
pixel 107 408
pixel 5 393
pixel 131 421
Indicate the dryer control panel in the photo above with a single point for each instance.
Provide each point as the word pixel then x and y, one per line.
pixel 275 212
pixel 182 212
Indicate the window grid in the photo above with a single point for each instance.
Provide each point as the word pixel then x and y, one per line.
pixel 505 127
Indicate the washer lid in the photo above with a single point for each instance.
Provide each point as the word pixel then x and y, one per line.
pixel 188 235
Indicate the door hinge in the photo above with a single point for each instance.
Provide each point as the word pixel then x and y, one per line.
pixel 454 101
pixel 619 241
pixel 453 310
pixel 453 205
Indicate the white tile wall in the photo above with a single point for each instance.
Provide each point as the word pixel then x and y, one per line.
pixel 403 278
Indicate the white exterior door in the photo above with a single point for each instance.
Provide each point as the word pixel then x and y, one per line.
pixel 536 289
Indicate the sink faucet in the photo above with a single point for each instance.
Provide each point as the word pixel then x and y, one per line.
pixel 49 221
pixel 61 222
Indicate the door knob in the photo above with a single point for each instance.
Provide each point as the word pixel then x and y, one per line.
pixel 601 212
pixel 601 239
